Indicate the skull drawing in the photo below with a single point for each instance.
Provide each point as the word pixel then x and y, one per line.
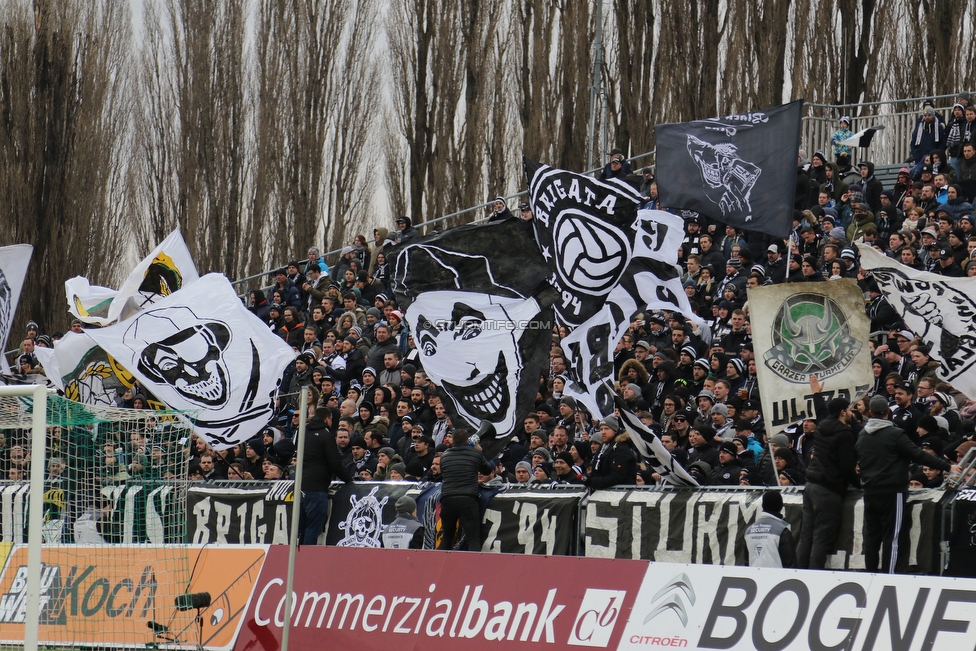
pixel 728 178
pixel 185 353
pixel 364 523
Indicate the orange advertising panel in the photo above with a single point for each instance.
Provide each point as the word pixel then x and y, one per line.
pixel 125 595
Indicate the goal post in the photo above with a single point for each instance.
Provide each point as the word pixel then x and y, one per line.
pixel 92 525
pixel 38 393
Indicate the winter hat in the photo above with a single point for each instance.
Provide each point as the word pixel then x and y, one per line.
pixel 373 311
pixel 848 254
pixel 643 344
pixel 358 442
pixel 847 119
pixel 569 401
pixel 703 363
pixel 284 449
pixel 409 369
pixel 836 233
pixel 793 476
pixel 258 446
pixel 406 505
pixel 729 446
pixel 703 466
pixel 782 440
pixel 636 389
pixel 929 424
pixel 612 422
pixel 565 456
pixel 544 453
pixel 707 394
pixel 389 452
pixel 525 465
pixel 878 405
pixel 347 250
pixel 400 468
pixel 396 317
pixel 837 405
pixel 308 358
pixel 734 263
pixel 738 364
pixel 370 370
pixel 719 409
pixel 689 351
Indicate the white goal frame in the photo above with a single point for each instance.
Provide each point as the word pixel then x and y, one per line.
pixel 36 513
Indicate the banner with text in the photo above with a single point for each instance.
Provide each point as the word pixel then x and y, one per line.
pixel 519 521
pixel 431 600
pixel 699 607
pixel 820 330
pixel 105 596
pixel 708 526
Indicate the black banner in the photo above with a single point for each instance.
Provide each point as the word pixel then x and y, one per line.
pixel 516 521
pixel 737 169
pixel 962 538
pixel 708 526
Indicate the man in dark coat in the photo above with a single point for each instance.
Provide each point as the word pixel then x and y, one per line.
pixel 831 471
pixel 616 462
pixel 322 463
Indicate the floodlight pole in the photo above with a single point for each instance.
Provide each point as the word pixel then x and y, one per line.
pixel 296 512
pixel 36 510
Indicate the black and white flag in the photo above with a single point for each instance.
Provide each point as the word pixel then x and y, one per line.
pixel 165 270
pixel 608 261
pixel 13 269
pixel 863 137
pixel 650 446
pixel 940 310
pixel 478 307
pixel 738 169
pixel 200 351
pixel 586 230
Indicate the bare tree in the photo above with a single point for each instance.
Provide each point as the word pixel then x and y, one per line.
pixel 65 100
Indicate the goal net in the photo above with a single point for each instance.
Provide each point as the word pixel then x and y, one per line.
pixel 113 557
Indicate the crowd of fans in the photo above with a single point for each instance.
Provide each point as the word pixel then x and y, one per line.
pixel 695 386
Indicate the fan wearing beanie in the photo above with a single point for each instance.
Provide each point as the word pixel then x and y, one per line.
pixel 884 453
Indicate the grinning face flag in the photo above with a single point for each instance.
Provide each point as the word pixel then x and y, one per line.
pixel 469 343
pixel 477 306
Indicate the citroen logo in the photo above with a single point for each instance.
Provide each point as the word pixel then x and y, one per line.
pixel 670 598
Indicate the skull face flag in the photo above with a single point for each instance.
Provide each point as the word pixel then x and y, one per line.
pixel 13 269
pixel 165 270
pixel 738 169
pixel 477 305
pixel 940 310
pixel 199 350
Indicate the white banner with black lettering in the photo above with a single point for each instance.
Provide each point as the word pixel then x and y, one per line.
pixel 699 607
pixel 802 330
pixel 201 351
pixel 940 310
pixel 708 525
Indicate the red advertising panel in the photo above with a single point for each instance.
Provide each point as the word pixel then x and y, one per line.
pixel 386 599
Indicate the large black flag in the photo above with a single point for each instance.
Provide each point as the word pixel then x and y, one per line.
pixel 478 306
pixel 738 169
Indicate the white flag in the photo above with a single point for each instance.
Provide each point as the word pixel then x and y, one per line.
pixel 805 329
pixel 84 371
pixel 202 352
pixel 168 268
pixel 13 269
pixel 940 310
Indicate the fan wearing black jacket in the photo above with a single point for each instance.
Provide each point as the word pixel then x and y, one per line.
pixel 884 452
pixel 322 463
pixel 832 469
pixel 616 462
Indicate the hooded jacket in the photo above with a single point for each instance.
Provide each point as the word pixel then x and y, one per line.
pixel 615 464
pixel 407 233
pixel 884 453
pixel 872 187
